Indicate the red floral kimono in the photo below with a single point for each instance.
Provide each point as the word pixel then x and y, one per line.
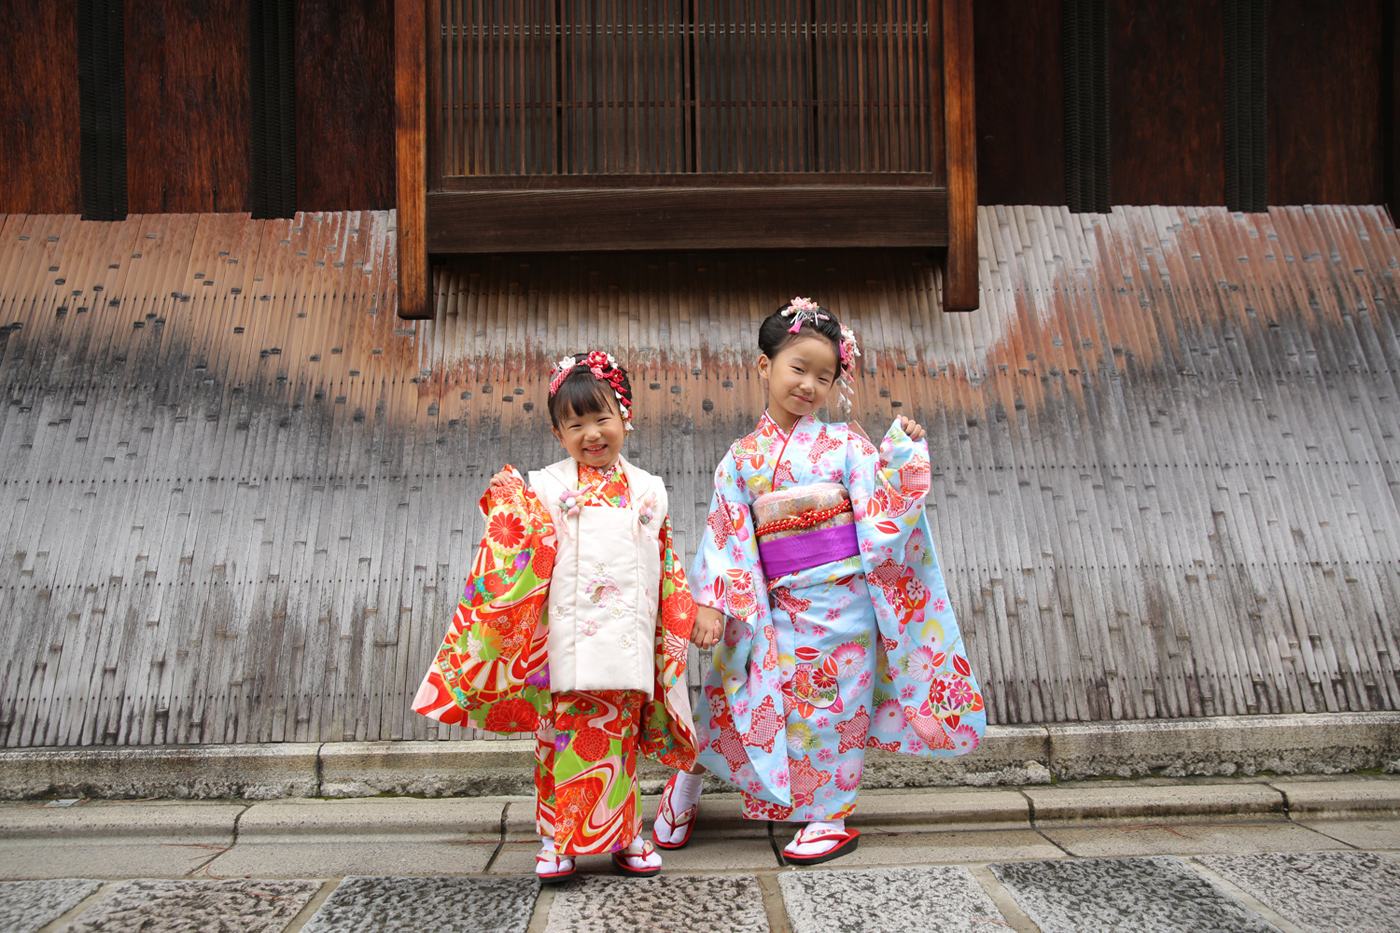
pixel 492 672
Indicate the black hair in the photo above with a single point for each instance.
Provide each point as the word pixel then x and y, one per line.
pixel 583 393
pixel 774 334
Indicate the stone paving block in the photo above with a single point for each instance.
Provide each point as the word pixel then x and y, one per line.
pixel 152 906
pixel 252 771
pixel 25 906
pixel 1145 895
pixel 1186 839
pixel 1356 892
pixel 664 904
pixel 1364 834
pixel 1372 797
pixel 287 858
pixel 412 905
pixel 168 819
pixel 430 768
pixel 1304 743
pixel 720 814
pixel 878 848
pixel 953 808
pixel 715 853
pixel 1154 801
pixel 475 817
pixel 104 858
pixel 703 854
pixel 940 899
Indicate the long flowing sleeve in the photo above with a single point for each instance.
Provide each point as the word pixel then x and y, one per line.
pixel 728 576
pixel 491 670
pixel 927 699
pixel 668 733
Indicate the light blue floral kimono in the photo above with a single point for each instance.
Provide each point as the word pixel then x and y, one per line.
pixel 817 665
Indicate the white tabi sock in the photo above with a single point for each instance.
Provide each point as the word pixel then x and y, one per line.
pixel 684 795
pixel 634 857
pixel 687 792
pixel 548 846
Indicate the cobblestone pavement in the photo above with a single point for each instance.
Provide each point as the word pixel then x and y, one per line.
pixel 398 867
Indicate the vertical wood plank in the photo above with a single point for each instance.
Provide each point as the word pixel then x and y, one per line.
pixel 188 110
pixel 410 148
pixel 436 130
pixel 960 290
pixel 39 173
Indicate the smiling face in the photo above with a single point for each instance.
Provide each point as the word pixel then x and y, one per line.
pixel 594 438
pixel 799 378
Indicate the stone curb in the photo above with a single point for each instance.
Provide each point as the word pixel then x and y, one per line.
pixel 1319 743
pixel 403 819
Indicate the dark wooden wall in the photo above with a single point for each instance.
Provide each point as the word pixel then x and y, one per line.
pixel 38 108
pixel 1325 126
pixel 189 135
pixel 345 104
pixel 1326 72
pixel 188 110
pixel 1020 102
pixel 1166 73
pixel 188 130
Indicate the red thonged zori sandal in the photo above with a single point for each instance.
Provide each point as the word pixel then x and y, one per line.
pixel 559 874
pixel 665 813
pixel 619 860
pixel 846 841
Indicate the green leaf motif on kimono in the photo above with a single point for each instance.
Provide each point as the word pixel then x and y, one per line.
pixel 481 642
pixel 863 639
pixel 879 697
pixel 536 697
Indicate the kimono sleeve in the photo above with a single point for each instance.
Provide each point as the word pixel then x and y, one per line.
pixel 668 734
pixel 888 487
pixel 491 670
pixel 926 699
pixel 725 575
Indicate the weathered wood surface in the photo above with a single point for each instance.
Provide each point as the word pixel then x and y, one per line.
pixel 188 112
pixel 39 113
pixel 239 493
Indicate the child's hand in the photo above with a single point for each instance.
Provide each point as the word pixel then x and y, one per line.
pixel 912 428
pixel 709 626
pixel 500 478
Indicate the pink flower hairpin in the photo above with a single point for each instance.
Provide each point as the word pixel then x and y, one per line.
pixel 803 309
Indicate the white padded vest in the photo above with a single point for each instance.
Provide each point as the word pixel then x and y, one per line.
pixel 604 594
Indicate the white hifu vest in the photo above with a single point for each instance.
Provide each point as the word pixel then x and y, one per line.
pixel 605 592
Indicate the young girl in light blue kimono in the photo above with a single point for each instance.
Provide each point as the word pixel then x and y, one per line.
pixel 818 587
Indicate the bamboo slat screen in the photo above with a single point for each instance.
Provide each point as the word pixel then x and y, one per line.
pixel 677 87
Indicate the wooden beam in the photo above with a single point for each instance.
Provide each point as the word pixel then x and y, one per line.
pixel 960 290
pixel 690 218
pixel 1390 104
pixel 410 150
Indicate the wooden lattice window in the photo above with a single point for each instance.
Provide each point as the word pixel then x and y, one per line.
pixel 687 87
pixel 646 124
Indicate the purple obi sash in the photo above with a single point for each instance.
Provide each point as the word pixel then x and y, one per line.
pixel 809 549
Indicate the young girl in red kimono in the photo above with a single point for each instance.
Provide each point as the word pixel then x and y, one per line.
pixel 574 625
pixel 818 570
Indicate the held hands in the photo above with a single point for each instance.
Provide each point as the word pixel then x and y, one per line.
pixel 912 428
pixel 709 626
